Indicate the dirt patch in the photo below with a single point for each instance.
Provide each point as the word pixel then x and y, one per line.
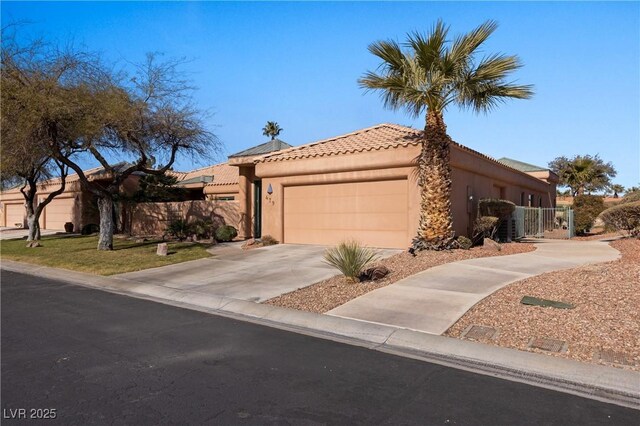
pixel 606 318
pixel 333 292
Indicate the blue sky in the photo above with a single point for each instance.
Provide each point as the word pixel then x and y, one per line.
pixel 298 64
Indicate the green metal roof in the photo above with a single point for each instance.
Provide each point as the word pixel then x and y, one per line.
pixel 265 148
pixel 519 165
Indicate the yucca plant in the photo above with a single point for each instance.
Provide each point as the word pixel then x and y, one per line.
pixel 350 258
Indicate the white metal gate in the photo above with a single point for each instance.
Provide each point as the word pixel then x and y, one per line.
pixel 544 222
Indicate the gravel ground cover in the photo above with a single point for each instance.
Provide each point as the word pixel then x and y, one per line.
pixel 333 292
pixel 606 315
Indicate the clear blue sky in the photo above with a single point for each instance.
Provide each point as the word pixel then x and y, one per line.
pixel 298 64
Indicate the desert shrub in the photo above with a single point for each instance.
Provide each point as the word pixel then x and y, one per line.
pixel 586 210
pixel 464 243
pixel 268 240
pixel 501 209
pixel 350 258
pixel 90 228
pixel 485 227
pixel 179 229
pixel 226 233
pixel 623 217
pixel 203 228
pixel 631 197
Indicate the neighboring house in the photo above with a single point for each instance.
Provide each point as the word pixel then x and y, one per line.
pixel 363 186
pixel 74 205
pixel 213 193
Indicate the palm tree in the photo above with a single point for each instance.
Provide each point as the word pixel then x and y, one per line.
pixel 617 190
pixel 583 173
pixel 272 129
pixel 428 76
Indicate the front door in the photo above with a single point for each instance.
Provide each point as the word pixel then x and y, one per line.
pixel 257 208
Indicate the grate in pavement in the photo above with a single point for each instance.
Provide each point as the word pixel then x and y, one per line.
pixel 480 332
pixel 613 357
pixel 551 345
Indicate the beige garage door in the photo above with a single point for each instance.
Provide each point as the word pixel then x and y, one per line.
pixel 15 214
pixel 58 212
pixel 373 213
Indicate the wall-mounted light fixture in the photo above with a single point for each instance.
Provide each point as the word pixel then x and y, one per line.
pixel 269 189
pixel 470 197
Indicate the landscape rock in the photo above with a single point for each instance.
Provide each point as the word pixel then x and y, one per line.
pixel 375 273
pixel 163 249
pixel 489 244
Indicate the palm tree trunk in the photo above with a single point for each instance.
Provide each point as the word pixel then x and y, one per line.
pixel 435 225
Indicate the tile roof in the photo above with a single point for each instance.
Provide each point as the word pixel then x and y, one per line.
pixel 375 138
pixel 382 136
pixel 223 174
pixel 265 148
pixel 519 165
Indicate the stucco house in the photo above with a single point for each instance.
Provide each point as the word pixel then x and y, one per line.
pixel 361 185
pixel 74 205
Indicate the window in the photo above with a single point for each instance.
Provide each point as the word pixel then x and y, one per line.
pixel 522 199
pixel 227 198
pixel 531 200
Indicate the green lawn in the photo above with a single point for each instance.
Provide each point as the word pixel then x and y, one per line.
pixel 80 254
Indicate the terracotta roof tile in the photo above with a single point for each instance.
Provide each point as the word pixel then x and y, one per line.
pixel 223 174
pixel 382 136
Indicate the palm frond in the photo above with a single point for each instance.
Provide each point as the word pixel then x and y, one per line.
pixel 466 44
pixel 430 48
pixel 390 53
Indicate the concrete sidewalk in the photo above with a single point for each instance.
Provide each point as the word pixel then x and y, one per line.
pixel 433 300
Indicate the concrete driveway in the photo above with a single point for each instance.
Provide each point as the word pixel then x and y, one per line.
pixel 20 233
pixel 255 275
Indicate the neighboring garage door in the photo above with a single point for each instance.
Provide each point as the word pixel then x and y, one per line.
pixel 58 212
pixel 373 213
pixel 15 214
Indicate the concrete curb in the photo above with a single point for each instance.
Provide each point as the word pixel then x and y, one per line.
pixel 608 384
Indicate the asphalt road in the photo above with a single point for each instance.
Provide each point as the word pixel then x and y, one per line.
pixel 100 358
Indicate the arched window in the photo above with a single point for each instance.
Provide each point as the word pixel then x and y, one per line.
pixel 522 198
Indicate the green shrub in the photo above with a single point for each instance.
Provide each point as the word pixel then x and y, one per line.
pixel 623 217
pixel 586 210
pixel 203 228
pixel 464 243
pixel 501 209
pixel 350 258
pixel 90 228
pixel 485 227
pixel 268 240
pixel 226 233
pixel 179 229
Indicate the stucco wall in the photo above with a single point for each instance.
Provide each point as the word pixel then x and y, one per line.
pixel 153 218
pixel 472 175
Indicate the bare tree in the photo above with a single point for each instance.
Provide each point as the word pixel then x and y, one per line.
pixel 37 93
pixel 140 120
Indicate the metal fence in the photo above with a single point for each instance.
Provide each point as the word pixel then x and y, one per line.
pixel 543 222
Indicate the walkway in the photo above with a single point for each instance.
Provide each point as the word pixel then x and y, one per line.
pixel 433 300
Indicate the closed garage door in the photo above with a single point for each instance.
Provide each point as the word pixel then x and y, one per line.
pixel 14 215
pixel 373 213
pixel 58 212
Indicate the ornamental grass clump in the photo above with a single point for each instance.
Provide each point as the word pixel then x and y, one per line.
pixel 350 258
